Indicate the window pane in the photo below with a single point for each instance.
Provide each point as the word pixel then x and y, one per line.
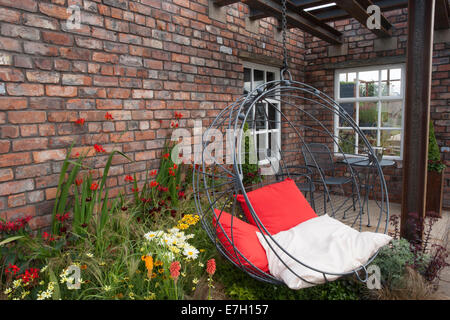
pixel 262 146
pixel 350 108
pixel 391 83
pixel 273 113
pixel 258 78
pixel 371 136
pixel 347 85
pixel 346 141
pixel 261 118
pixel 270 76
pixel 368 114
pixel 391 114
pixel 247 81
pixel 368 84
pixel 391 140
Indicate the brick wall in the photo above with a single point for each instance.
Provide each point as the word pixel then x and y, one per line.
pixel 362 48
pixel 139 60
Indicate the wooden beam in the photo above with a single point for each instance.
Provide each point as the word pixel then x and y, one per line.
pixel 442 15
pixel 222 3
pixel 417 115
pixel 358 10
pixel 294 19
pixel 303 4
pixel 335 13
pixel 257 14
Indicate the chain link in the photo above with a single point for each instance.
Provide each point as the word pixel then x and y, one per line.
pixel 284 28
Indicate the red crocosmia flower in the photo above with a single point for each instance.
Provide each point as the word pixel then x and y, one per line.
pixel 108 116
pixel 80 121
pixel 211 266
pixel 99 148
pixel 153 173
pixel 94 186
pixel 178 115
pixel 153 184
pixel 175 270
pixel 76 155
pixel 12 269
pixel 128 178
pixel 62 217
pixel 166 156
pixel 175 166
pixel 78 181
pixel 181 194
pixel 135 189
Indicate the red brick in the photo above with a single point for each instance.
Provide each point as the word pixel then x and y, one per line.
pixel 9 44
pixel 25 89
pixel 60 91
pixel 118 93
pixel 40 49
pixel 17 200
pixel 40 222
pixel 9 15
pixel 62 116
pixel 43 76
pixel 17 186
pixel 105 57
pixel 29 144
pixel 11 75
pixel 75 53
pixel 57 38
pixel 7 103
pixel 32 171
pixel 54 11
pixel 28 130
pixel 47 129
pixel 21 212
pixel 109 104
pixel 44 156
pixel 6 174
pixel 26 116
pixel 10 131
pixel 28 5
pixel 40 21
pixel 76 80
pixel 4 146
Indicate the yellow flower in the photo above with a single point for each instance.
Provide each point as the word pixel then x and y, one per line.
pixel 161 270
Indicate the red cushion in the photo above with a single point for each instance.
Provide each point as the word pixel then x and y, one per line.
pixel 244 238
pixel 279 206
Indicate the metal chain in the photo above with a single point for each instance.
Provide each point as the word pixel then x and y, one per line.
pixel 284 27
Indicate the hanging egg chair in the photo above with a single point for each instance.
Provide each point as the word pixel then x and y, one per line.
pixel 287 127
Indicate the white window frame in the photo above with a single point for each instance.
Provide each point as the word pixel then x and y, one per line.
pixel 379 99
pixel 252 66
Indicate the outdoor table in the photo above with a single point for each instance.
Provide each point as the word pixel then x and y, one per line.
pixel 368 171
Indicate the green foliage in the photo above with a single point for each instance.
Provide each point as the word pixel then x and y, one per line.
pixel 393 259
pixel 240 286
pixel 250 171
pixel 434 155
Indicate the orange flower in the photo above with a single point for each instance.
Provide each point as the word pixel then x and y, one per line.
pixel 211 266
pixel 148 264
pixel 94 186
pixel 83 267
pixel 175 270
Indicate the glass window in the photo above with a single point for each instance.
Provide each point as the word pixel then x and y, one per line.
pixel 374 99
pixel 264 121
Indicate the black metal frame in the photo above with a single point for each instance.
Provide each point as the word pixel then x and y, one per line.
pixel 216 186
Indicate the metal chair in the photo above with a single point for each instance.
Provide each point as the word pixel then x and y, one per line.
pixel 319 157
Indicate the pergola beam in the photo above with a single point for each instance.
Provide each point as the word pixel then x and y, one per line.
pixel 358 10
pixel 334 13
pixel 222 3
pixel 417 115
pixel 295 19
pixel 257 14
pixel 442 15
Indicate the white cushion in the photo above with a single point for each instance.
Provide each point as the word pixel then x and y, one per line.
pixel 323 243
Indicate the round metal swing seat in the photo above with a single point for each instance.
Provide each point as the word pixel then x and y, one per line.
pixel 289 119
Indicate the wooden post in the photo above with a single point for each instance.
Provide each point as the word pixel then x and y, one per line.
pixel 417 114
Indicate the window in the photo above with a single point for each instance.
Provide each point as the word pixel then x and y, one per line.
pixel 374 99
pixel 264 122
